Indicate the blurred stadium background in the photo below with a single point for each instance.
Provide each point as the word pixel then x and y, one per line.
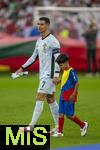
pixel 69 20
pixel 18 34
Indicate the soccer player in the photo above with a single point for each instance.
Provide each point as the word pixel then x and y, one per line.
pixel 68 96
pixel 47 50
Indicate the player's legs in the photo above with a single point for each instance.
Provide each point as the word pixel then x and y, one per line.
pixel 54 108
pixel 49 89
pixel 38 108
pixel 61 116
pixel 39 102
pixel 45 90
pixel 69 108
pixel 94 60
pixel 37 112
pixel 60 120
pixel 83 125
pixel 59 132
pixel 89 61
pixel 61 123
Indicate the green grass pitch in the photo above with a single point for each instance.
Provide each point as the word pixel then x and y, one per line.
pixel 17 101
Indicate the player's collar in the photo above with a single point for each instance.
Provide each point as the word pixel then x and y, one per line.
pixel 46 36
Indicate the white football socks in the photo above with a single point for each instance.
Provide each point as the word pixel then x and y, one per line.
pixel 54 110
pixel 37 112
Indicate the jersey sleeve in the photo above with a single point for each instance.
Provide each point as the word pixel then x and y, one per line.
pixel 56 53
pixel 74 76
pixel 32 59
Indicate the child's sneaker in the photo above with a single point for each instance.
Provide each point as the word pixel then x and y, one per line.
pixel 84 129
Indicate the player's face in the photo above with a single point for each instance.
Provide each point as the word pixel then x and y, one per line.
pixel 42 26
pixel 64 66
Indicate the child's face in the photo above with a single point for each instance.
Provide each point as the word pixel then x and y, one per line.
pixel 64 66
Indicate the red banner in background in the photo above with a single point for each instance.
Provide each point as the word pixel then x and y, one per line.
pixel 75 48
pixel 15 62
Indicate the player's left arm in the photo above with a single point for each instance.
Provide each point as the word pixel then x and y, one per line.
pixel 75 80
pixel 75 90
pixel 56 78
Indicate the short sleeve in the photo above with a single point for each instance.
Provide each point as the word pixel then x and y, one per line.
pixel 74 76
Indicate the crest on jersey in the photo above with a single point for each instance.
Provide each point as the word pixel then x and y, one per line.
pixel 45 47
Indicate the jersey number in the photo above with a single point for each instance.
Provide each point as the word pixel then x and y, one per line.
pixel 43 83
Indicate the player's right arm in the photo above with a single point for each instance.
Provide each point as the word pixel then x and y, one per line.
pixel 30 61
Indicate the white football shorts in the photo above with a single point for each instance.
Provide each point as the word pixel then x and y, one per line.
pixel 47 86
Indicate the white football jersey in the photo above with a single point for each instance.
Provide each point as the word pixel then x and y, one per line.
pixel 46 50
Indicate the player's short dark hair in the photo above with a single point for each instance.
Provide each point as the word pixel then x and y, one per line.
pixel 62 58
pixel 47 20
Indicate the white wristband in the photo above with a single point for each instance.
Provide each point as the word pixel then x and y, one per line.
pixel 56 75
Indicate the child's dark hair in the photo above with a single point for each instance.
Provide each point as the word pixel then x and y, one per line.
pixel 62 58
pixel 47 20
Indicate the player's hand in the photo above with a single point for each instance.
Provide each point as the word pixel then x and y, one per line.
pixel 72 97
pixel 56 80
pixel 19 71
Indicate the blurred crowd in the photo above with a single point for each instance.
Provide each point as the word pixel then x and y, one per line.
pixel 17 17
pixel 74 24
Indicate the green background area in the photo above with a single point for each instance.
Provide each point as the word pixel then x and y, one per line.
pixel 20 49
pixel 17 101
